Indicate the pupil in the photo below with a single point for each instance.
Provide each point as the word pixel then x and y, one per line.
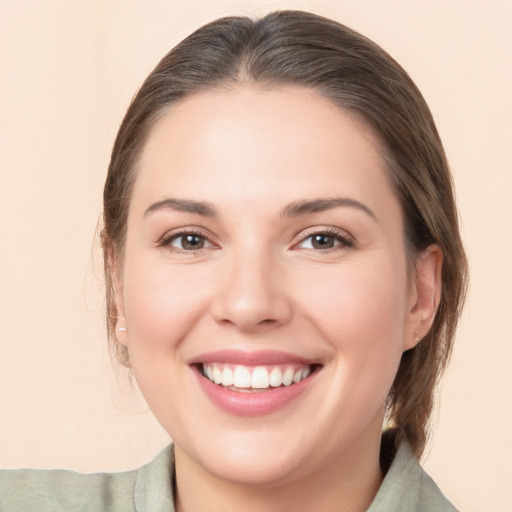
pixel 323 241
pixel 193 242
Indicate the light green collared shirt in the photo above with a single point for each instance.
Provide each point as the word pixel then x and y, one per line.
pixel 406 488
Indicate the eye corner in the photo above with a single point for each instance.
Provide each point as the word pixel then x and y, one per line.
pixel 324 239
pixel 187 241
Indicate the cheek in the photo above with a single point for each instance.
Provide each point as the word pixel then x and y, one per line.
pixel 358 296
pixel 361 312
pixel 161 306
pixel 361 315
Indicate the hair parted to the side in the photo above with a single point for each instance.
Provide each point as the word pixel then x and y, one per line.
pixel 303 49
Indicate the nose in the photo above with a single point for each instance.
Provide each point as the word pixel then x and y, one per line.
pixel 252 293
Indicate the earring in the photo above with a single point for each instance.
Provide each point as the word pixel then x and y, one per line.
pixel 122 329
pixel 417 339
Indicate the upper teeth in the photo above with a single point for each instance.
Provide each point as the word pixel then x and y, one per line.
pixel 258 377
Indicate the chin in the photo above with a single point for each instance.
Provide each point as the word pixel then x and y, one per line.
pixel 254 469
pixel 261 459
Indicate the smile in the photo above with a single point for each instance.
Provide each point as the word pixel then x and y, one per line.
pixel 249 378
pixel 256 383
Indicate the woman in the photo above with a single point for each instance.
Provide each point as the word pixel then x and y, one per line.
pixel 284 276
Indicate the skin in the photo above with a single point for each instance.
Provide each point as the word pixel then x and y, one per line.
pixel 258 283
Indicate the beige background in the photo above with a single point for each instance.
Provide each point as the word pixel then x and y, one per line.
pixel 68 71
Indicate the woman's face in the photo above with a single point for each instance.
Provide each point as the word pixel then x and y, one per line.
pixel 265 252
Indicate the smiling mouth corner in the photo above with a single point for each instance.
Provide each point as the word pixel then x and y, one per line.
pixel 256 378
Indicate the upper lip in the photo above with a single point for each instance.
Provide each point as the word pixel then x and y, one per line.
pixel 253 358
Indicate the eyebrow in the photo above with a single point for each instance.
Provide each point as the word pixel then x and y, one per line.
pixel 298 208
pixel 183 205
pixel 295 209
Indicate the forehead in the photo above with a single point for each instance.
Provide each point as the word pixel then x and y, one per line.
pixel 253 143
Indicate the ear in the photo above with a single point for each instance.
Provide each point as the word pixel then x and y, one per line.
pixel 116 284
pixel 424 295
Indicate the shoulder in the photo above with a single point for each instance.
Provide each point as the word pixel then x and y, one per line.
pixel 31 490
pixel 407 487
pixel 45 490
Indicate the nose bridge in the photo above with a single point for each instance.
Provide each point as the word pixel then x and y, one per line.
pixel 251 292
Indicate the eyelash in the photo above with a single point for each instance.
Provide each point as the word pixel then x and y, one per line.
pixel 167 240
pixel 344 240
pixel 341 241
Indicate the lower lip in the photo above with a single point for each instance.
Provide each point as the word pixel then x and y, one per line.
pixel 257 403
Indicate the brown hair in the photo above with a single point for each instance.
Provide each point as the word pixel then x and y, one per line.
pixel 299 48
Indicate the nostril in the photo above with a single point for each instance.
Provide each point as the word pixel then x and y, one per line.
pixel 251 304
pixel 250 325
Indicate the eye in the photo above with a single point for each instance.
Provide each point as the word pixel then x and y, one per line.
pixel 325 240
pixel 186 242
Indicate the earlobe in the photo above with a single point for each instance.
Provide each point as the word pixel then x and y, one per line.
pixel 426 288
pixel 117 297
pixel 121 332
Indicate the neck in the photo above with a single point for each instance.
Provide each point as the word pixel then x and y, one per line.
pixel 347 482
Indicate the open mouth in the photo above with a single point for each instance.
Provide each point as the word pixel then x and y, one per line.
pixel 255 378
pixel 251 384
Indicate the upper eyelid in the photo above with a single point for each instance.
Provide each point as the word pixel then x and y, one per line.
pixel 331 230
pixel 345 238
pixel 192 230
pixel 298 237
